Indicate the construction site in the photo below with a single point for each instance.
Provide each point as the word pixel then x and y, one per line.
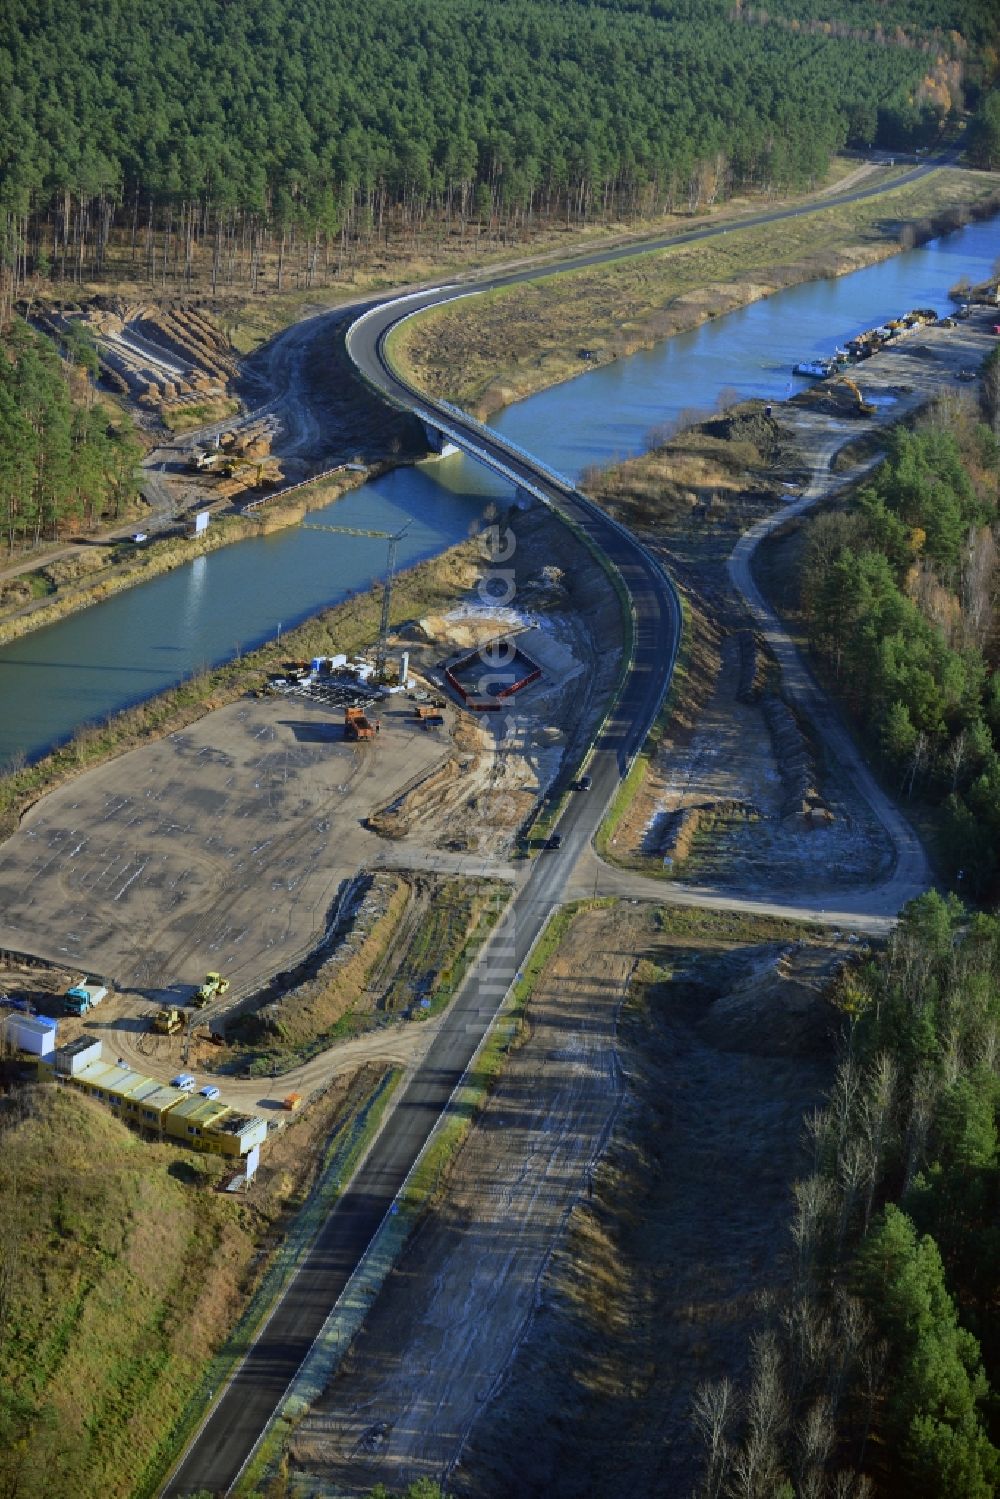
pixel 216 439
pixel 302 843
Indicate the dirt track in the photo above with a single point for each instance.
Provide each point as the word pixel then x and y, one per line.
pixel 590 1356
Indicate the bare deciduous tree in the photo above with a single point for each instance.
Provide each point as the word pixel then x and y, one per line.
pixel 923 1094
pixel 918 759
pixel 844 1096
pixel 814 1439
pixel 988 1048
pixel 820 1134
pixel 758 1461
pixel 813 1199
pixel 853 1168
pixel 979 580
pixel 808 1333
pixel 712 1415
pixel 850 1485
pixel 853 1330
pixel 873 1361
pixel 955 756
pixel 876 1116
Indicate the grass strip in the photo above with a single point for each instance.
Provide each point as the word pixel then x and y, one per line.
pixel 516 340
pixel 454 1124
pixel 453 972
pixel 629 788
pixel 342 1156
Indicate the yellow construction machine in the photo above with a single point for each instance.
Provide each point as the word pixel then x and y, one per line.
pixel 168 1021
pixel 213 987
pixel 865 408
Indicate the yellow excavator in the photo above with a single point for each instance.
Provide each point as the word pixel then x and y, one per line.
pixel 864 408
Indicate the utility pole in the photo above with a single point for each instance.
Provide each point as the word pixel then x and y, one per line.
pixel 393 538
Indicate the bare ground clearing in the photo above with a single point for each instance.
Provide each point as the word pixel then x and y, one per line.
pixel 690 499
pixel 731 761
pixel 223 847
pixel 226 845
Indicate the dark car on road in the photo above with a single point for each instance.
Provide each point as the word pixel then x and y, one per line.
pixel 584 783
pixel 553 841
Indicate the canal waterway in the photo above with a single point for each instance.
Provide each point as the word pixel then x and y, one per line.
pixel 124 650
pixel 617 410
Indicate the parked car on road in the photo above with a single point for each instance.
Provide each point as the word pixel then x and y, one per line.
pixel 184 1081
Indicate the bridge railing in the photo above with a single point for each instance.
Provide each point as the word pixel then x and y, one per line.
pixel 536 463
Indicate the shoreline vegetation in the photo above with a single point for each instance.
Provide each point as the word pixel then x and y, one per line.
pixel 514 342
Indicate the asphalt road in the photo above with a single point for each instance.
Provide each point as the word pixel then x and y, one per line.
pixel 485 281
pixel 236 1422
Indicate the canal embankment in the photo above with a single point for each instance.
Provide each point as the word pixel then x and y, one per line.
pixel 429 587
pixel 515 341
pixel 64 585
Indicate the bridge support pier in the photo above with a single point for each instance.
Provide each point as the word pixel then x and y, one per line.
pixel 437 442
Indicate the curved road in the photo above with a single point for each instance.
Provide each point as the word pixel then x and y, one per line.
pixel 284 362
pixel 234 1425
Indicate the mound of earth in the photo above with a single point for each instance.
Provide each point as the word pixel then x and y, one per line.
pixel 780 1010
pixel 767 435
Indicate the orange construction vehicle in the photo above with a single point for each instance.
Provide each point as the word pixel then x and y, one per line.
pixel 431 718
pixel 357 724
